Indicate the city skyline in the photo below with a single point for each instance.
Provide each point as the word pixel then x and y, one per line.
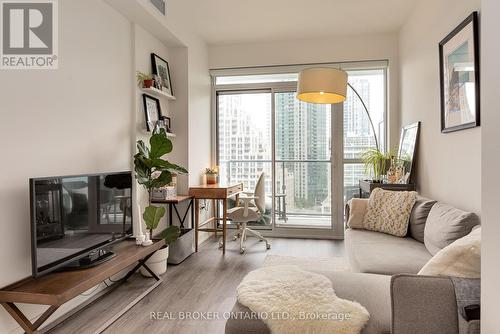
pixel 302 136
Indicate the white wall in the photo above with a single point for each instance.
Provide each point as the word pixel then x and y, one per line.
pixel 449 165
pixel 86 116
pixel 334 49
pixel 490 90
pixel 76 119
pixel 145 44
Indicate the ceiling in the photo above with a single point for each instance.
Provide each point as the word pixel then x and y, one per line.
pixel 240 21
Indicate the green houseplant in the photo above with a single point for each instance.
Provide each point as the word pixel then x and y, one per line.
pixel 376 161
pixel 144 80
pixel 211 175
pixel 151 171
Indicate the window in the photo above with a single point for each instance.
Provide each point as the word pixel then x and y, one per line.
pixel 261 126
pixel 358 132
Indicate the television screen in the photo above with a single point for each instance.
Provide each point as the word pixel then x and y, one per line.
pixel 74 215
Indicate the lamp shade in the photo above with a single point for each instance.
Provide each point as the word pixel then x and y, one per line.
pixel 322 85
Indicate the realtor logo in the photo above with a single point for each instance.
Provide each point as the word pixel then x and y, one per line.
pixel 29 34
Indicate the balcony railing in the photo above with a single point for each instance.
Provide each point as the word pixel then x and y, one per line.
pixel 302 186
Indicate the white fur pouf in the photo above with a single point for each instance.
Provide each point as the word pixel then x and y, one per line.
pixel 290 300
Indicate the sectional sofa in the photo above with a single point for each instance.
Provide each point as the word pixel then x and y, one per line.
pixel 384 280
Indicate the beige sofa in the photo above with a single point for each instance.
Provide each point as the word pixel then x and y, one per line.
pixel 383 278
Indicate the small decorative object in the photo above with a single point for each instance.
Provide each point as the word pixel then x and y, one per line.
pixel 168 123
pixel 160 124
pixel 152 111
pixel 159 193
pixel 459 74
pixel 174 181
pixel 157 82
pixel 160 68
pixel 396 172
pixel 139 239
pixel 211 175
pixel 171 192
pixel 144 80
pixel 147 240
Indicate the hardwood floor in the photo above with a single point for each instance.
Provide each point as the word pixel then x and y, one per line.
pixel 205 282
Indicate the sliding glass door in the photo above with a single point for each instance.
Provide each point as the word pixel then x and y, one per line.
pixel 244 141
pixel 302 162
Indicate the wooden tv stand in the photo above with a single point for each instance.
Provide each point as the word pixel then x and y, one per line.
pixel 57 288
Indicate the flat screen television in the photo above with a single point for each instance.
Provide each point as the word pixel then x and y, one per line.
pixel 74 218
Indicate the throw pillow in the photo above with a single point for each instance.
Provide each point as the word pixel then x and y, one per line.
pixel 357 210
pixel 462 258
pixel 446 224
pixel 389 211
pixel 418 217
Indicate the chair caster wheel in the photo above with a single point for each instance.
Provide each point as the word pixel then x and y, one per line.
pixel 242 250
pixel 268 246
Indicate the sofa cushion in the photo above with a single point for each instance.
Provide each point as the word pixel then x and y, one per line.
pixel 357 209
pixel 389 211
pixel 446 224
pixel 379 253
pixel 371 291
pixel 418 217
pixel 461 258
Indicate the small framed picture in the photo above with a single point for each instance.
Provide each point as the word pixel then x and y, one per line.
pixel 459 74
pixel 152 111
pixel 162 71
pixel 168 123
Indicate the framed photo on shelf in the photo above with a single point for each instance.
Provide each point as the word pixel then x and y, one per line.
pixel 162 72
pixel 459 77
pixel 168 123
pixel 152 111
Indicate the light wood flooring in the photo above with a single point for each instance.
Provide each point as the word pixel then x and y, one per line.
pixel 205 282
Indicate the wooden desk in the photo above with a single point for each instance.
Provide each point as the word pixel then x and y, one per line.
pixel 215 192
pixel 56 288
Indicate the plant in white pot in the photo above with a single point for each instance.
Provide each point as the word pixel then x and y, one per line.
pixel 151 171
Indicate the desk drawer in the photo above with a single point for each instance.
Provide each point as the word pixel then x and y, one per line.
pixel 234 190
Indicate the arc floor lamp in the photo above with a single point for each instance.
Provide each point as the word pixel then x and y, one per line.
pixel 325 85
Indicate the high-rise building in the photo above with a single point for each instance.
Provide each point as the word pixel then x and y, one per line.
pixel 245 138
pixel 303 134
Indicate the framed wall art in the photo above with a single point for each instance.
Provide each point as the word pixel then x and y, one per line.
pixel 459 74
pixel 162 73
pixel 152 111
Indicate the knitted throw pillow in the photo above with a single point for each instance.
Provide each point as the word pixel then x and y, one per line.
pixel 389 211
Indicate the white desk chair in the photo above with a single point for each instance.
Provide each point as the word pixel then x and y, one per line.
pixel 254 207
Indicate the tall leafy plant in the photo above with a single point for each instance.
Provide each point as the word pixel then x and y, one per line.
pixel 152 171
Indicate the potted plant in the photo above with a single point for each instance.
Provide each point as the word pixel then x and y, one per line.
pixel 145 80
pixel 376 161
pixel 151 171
pixel 211 175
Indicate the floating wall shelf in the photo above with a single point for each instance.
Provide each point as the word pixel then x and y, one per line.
pixel 169 134
pixel 157 93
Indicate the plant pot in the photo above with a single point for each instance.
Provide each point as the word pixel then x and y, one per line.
pixel 148 83
pixel 157 263
pixel 211 178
